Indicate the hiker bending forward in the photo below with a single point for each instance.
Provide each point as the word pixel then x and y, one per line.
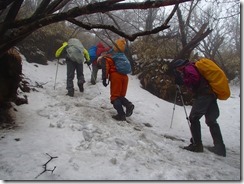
pixel 205 103
pixel 118 87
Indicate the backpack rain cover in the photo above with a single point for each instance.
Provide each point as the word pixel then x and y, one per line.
pixel 215 76
pixel 75 50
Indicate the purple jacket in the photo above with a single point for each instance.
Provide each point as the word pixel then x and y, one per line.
pixel 191 76
pixel 195 81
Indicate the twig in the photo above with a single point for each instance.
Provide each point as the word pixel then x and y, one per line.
pixel 40 85
pixel 45 166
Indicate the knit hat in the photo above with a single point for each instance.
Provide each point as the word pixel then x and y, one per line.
pixel 179 63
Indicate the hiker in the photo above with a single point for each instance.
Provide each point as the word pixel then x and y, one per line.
pixel 75 54
pixel 205 103
pixel 99 49
pixel 118 86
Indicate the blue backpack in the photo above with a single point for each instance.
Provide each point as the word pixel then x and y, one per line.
pixel 92 52
pixel 122 64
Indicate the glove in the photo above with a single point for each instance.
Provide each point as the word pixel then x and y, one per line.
pixel 105 82
pixel 87 62
pixel 178 78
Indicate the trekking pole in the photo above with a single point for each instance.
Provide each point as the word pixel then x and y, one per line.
pixel 56 75
pixel 187 118
pixel 94 79
pixel 176 94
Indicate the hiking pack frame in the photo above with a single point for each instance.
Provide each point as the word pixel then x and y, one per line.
pixel 178 91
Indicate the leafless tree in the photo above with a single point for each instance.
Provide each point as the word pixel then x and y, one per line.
pixel 14 29
pixel 223 44
pixel 190 35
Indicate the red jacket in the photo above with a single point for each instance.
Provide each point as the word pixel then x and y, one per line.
pixel 100 50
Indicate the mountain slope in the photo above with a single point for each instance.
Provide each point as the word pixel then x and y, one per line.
pixel 90 145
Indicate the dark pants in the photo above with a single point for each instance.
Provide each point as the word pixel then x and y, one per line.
pixel 94 74
pixel 71 68
pixel 205 105
pixel 119 103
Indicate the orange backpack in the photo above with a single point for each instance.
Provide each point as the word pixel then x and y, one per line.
pixel 215 76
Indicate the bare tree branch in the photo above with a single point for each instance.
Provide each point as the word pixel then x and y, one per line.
pixel 171 14
pixel 182 28
pixel 185 52
pixel 17 30
pixel 56 5
pixel 115 30
pixel 41 8
pixel 5 3
pixel 12 13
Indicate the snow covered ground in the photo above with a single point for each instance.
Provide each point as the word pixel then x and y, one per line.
pixel 87 144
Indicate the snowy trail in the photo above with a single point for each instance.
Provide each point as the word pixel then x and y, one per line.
pixel 90 145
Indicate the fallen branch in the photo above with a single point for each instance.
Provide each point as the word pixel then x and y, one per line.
pixel 45 166
pixel 40 85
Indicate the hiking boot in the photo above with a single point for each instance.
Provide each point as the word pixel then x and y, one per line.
pixel 81 88
pixel 70 93
pixel 194 147
pixel 129 110
pixel 119 117
pixel 218 150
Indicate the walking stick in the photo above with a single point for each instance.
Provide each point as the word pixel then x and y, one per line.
pixel 173 109
pixel 56 75
pixel 187 118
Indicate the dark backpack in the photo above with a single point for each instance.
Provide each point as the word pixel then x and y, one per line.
pixel 92 52
pixel 122 63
